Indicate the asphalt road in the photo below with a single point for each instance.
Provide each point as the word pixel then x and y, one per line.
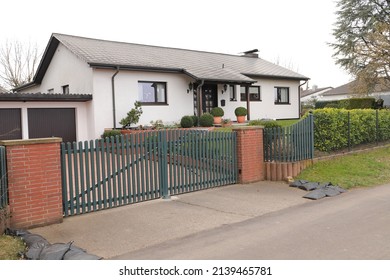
pixel 354 225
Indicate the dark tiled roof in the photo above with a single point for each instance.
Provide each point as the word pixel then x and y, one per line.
pixel 348 89
pixel 197 64
pixel 45 97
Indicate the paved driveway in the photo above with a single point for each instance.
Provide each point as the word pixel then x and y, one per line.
pixel 116 233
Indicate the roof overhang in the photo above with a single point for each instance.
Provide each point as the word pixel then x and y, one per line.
pixel 276 77
pixel 45 97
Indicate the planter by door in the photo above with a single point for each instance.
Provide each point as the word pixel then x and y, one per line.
pixel 240 119
pixel 217 120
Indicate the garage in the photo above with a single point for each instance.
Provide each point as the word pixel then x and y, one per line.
pixel 10 124
pixel 52 122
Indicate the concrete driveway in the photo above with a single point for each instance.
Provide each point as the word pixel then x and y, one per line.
pixel 118 232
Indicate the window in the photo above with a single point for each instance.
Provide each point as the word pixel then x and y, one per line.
pixel 152 92
pixel 232 92
pixel 282 95
pixel 65 89
pixel 254 93
pixel 51 90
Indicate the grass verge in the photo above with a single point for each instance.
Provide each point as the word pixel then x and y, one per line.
pixel 10 247
pixel 363 169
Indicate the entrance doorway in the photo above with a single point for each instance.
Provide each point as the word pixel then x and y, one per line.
pixel 209 97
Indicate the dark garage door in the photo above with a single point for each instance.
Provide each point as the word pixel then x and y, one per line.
pixel 52 122
pixel 10 124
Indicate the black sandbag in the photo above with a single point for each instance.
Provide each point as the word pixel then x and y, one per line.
pixel 340 189
pixel 316 194
pixel 330 191
pixel 76 253
pixel 55 251
pixel 31 238
pixel 34 251
pixel 298 183
pixel 309 186
pixel 16 232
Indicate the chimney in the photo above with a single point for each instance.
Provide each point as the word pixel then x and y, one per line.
pixel 251 53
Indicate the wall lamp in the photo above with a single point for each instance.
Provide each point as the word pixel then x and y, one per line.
pixel 190 87
pixel 224 89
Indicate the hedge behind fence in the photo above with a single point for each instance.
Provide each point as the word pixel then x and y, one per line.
pixel 351 103
pixel 335 129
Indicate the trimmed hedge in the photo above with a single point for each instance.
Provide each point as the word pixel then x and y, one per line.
pixel 331 127
pixel 350 104
pixel 186 122
pixel 206 120
pixel 265 123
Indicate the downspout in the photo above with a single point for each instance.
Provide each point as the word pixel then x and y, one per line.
pixel 299 97
pixel 248 103
pixel 113 97
pixel 199 93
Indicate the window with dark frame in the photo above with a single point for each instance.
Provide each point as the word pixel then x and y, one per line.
pixel 51 90
pixel 232 92
pixel 282 95
pixel 152 92
pixel 65 89
pixel 254 93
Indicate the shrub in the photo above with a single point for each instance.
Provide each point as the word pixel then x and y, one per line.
pixel 206 120
pixel 195 120
pixel 265 123
pixel 240 111
pixel 350 104
pixel 331 127
pixel 186 122
pixel 109 133
pixel 133 115
pixel 217 112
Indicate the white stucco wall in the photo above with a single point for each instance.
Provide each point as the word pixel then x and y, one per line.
pixel 180 102
pixel 266 108
pixel 83 131
pixel 65 69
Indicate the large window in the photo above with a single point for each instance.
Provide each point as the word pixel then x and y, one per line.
pixel 282 95
pixel 254 93
pixel 152 92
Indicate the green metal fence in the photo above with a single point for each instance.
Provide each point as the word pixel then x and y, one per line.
pixel 110 172
pixel 3 179
pixel 290 144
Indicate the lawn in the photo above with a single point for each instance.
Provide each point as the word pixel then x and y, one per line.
pixel 363 169
pixel 10 247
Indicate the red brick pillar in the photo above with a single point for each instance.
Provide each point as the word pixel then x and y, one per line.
pixel 34 182
pixel 250 155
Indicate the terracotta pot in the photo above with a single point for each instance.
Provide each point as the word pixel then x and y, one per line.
pixel 240 119
pixel 217 120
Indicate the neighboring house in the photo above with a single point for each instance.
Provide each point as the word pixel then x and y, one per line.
pixel 346 91
pixel 96 82
pixel 314 93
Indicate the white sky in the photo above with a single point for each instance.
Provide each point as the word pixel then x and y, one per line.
pixel 294 32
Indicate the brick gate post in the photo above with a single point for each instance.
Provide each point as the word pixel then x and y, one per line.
pixel 34 181
pixel 250 154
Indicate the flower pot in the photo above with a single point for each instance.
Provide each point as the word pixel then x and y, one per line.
pixel 240 119
pixel 217 120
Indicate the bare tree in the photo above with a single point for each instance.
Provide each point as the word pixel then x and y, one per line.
pixel 18 63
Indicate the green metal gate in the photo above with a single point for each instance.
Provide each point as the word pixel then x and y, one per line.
pixel 110 172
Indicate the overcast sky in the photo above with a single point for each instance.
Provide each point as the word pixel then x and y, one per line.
pixel 293 33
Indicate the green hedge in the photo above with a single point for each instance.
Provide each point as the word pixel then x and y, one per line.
pixel 331 127
pixel 350 104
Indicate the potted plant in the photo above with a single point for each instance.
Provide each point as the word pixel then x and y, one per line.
pixel 240 113
pixel 132 117
pixel 217 113
pixel 226 122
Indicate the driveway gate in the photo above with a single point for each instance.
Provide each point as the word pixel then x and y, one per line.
pixel 110 172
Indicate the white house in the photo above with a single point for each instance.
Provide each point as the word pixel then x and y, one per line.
pixel 98 81
pixel 314 93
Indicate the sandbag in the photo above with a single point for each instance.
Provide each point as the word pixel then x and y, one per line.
pixel 55 251
pixel 316 194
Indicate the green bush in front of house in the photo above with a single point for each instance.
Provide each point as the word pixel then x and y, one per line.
pixel 195 120
pixel 332 126
pixel 350 104
pixel 109 133
pixel 186 122
pixel 206 120
pixel 265 123
pixel 217 112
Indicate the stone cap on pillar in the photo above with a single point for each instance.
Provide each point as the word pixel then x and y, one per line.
pixel 17 142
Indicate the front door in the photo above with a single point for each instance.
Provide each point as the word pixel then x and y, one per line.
pixel 209 98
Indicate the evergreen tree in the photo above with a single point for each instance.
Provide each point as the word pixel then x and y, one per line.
pixel 362 33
